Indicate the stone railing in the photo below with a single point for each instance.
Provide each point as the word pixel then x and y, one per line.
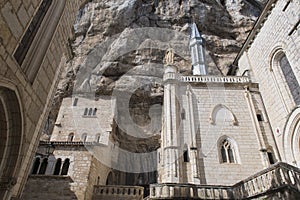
pixel 114 192
pixel 274 178
pixel 215 79
pixel 69 143
pixel 206 79
pixel 189 191
pixel 171 76
pixel 271 181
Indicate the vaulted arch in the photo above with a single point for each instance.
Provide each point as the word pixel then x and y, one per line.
pixel 222 113
pixel 10 138
pixel 291 138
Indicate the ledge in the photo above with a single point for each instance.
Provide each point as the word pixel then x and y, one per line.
pixel 43 176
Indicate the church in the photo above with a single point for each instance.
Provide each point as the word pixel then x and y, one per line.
pixel 210 136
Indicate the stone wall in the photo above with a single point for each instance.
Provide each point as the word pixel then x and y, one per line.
pixel 34 87
pixel 239 127
pixel 210 110
pixel 49 187
pixel 274 33
pixel 73 119
pixel 80 163
pixel 97 176
pixel 83 173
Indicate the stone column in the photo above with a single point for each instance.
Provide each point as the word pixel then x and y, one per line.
pixel 258 132
pixel 193 142
pixel 169 145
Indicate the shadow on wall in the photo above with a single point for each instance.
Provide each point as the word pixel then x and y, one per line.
pixel 48 187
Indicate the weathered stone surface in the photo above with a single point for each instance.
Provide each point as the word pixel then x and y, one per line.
pixel 108 43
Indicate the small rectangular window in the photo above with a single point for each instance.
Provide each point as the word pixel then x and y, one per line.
pixel 85 111
pixel 271 159
pixel 183 115
pixel 259 117
pixel 186 156
pixel 90 111
pixel 75 102
pixel 95 111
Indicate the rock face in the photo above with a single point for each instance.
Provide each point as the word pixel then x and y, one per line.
pixel 119 46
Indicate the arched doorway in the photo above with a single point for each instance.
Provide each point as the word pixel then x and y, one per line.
pixel 10 139
pixel 291 138
pixel 110 179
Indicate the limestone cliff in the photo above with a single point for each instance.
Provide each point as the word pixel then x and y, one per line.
pixel 119 45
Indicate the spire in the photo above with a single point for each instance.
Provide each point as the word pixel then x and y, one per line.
pixel 197 50
pixel 195 33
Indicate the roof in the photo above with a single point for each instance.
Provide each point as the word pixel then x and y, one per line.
pixel 256 28
pixel 195 32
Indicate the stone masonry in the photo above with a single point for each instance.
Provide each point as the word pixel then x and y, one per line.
pixel 275 33
pixel 34 87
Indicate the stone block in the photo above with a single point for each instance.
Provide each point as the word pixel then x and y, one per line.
pixel 16 4
pixel 3 67
pixel 23 16
pixel 10 47
pixel 31 10
pixel 11 20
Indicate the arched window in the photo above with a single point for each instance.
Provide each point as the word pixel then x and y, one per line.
pixel 222 115
pixel 284 78
pixel 65 167
pixel 84 137
pixel 36 166
pixel 227 151
pixel 70 137
pixel 57 167
pixel 98 180
pixel 109 180
pixel 290 77
pixel 43 166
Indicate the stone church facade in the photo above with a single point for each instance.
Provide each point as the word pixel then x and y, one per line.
pixel 222 137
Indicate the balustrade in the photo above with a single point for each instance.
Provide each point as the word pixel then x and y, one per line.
pixel 215 79
pixel 273 178
pixel 134 192
pixel 206 79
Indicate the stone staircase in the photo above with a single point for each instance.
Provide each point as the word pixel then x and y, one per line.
pixel 280 180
